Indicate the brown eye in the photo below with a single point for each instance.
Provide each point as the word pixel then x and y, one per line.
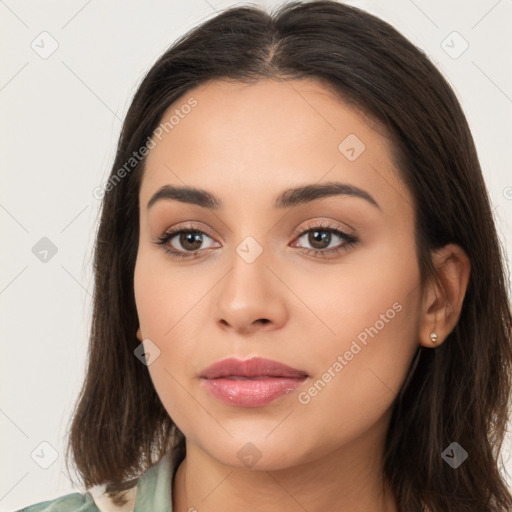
pixel 190 240
pixel 189 243
pixel 186 242
pixel 319 239
pixel 324 240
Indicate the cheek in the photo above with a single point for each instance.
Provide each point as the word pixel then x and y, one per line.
pixel 374 316
pixel 171 314
pixel 360 378
pixel 164 297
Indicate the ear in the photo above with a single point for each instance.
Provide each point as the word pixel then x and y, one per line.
pixel 443 297
pixel 139 334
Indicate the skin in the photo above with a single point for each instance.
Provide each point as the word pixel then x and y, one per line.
pixel 245 144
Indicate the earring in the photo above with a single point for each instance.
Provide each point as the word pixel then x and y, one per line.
pixel 139 334
pixel 433 337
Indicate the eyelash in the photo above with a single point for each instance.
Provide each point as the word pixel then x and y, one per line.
pixel 350 240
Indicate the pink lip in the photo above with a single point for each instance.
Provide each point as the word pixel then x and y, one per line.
pixel 252 382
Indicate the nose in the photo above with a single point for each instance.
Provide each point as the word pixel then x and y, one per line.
pixel 250 298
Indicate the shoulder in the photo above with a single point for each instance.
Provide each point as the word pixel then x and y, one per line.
pixel 92 501
pixel 152 493
pixel 74 502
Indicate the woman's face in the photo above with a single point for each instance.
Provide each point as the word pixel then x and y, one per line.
pixel 276 281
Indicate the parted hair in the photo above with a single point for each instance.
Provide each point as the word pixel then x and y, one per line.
pixel 459 391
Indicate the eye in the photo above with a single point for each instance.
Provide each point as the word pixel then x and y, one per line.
pixel 325 239
pixel 184 242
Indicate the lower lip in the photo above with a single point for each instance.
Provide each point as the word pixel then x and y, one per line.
pixel 251 392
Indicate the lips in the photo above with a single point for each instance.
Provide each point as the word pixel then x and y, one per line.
pixel 256 367
pixel 250 383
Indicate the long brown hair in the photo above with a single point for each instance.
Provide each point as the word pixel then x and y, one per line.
pixel 459 391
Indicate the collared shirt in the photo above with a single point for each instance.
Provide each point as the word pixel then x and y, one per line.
pixel 153 493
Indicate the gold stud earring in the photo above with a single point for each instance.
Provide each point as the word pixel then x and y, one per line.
pixel 433 337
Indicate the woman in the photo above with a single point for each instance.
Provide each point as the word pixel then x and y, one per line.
pixel 300 300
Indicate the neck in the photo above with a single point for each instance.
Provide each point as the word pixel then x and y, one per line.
pixel 348 479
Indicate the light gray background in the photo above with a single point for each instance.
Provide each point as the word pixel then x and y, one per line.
pixel 61 117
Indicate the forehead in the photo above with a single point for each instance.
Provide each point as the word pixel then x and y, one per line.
pixel 268 136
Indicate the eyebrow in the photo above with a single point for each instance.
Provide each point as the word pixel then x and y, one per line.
pixel 290 197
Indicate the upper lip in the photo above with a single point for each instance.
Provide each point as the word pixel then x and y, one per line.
pixel 254 367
